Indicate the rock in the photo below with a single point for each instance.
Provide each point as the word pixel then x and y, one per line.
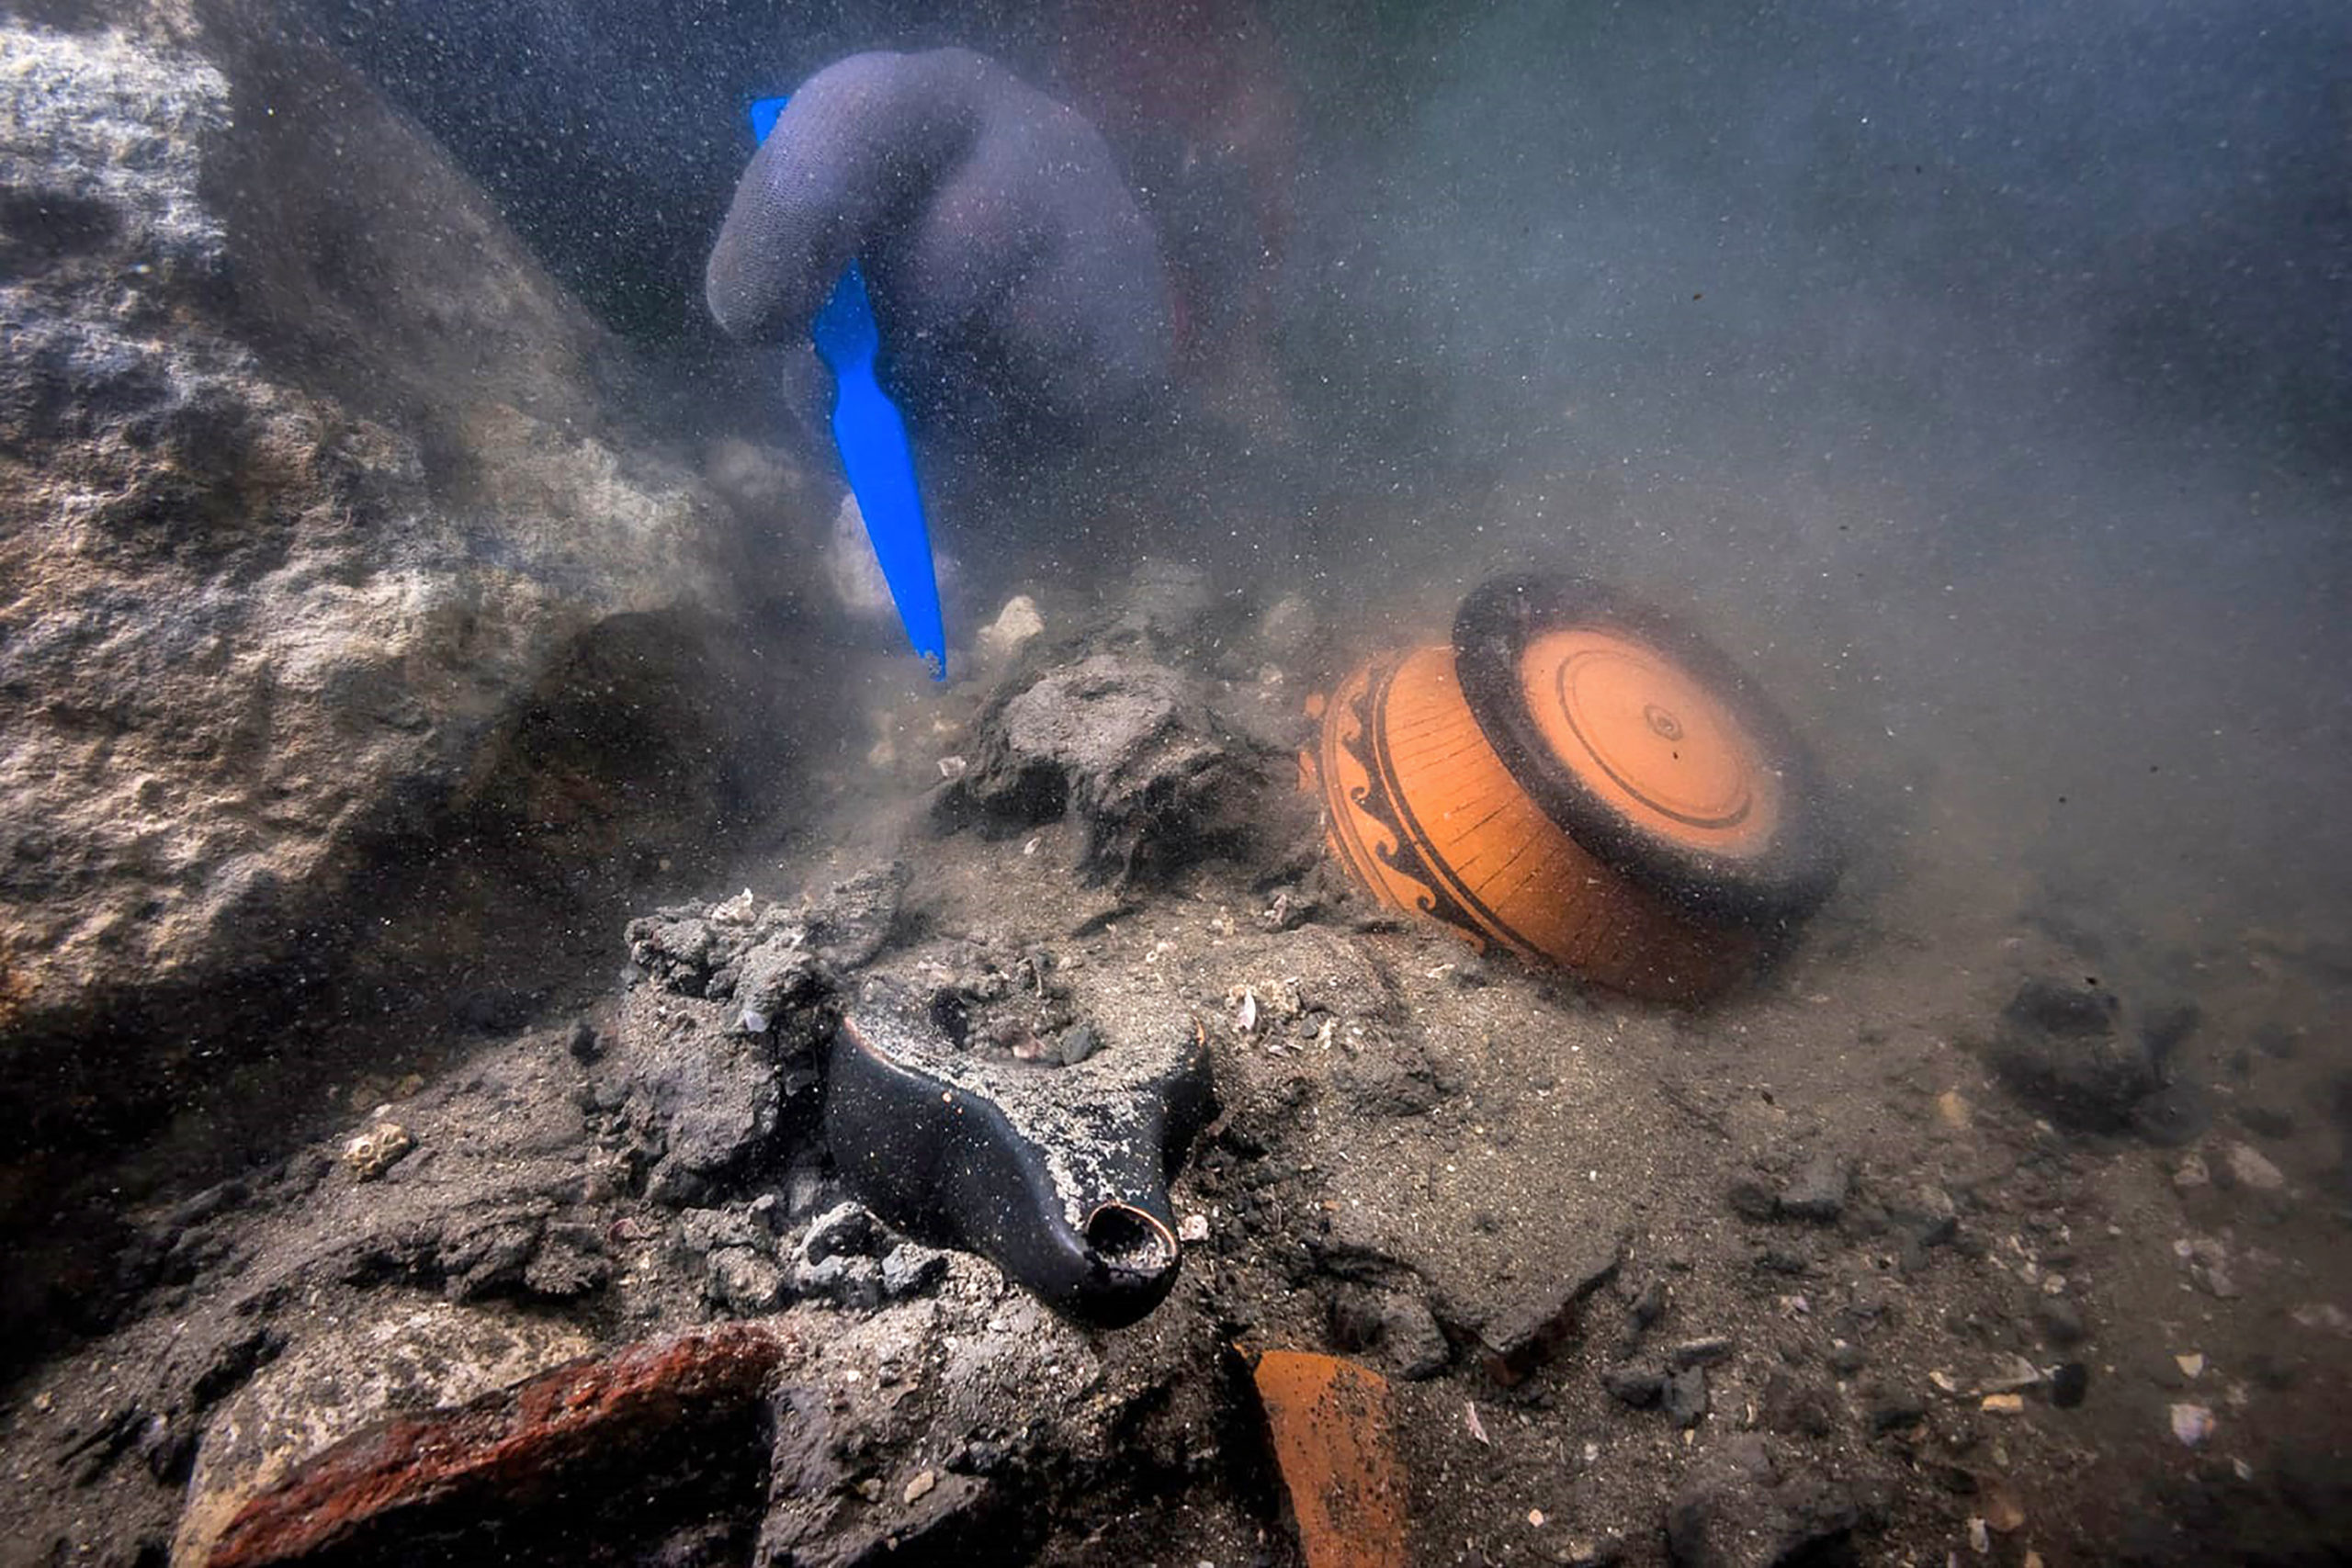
pixel 1077 1043
pixel 909 1270
pixel 1743 1508
pixel 1889 1407
pixel 850 921
pixel 1707 1352
pixel 1522 1330
pixel 2069 1384
pixel 2076 1052
pixel 1131 752
pixel 256 634
pixel 1014 625
pixel 1637 1386
pixel 605 1449
pixel 1928 1216
pixel 372 1153
pixel 844 1230
pixel 2248 1166
pixel 778 973
pixel 713 1230
pixel 404 1353
pixel 744 1280
pixel 1684 1395
pixel 1413 1346
pixel 1817 1191
pixel 583 1043
pixel 1648 1308
pixel 849 1281
pixel 1395 1327
pixel 717 1100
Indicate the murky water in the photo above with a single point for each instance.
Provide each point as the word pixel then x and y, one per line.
pixel 428 555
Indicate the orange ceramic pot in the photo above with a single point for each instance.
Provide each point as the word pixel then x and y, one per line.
pixel 1580 781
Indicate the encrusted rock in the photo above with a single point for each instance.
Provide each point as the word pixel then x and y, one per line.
pixel 1129 749
pixel 381 1147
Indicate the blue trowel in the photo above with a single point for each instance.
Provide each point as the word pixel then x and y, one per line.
pixel 871 437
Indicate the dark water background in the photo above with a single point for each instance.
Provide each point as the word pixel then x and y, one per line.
pixel 1985 371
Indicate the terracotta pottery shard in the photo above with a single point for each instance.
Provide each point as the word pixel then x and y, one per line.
pixel 600 1425
pixel 1336 1443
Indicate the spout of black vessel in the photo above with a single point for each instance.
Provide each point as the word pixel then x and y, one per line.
pixel 1131 1258
pixel 944 1162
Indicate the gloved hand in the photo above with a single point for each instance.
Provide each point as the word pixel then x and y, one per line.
pixel 1019 288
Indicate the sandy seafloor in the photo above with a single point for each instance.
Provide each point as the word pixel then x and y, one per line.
pixel 1465 1134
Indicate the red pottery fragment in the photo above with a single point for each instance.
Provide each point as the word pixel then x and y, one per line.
pixel 563 1441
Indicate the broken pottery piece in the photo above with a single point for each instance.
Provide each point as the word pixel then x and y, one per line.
pixel 1058 1175
pixel 1333 1431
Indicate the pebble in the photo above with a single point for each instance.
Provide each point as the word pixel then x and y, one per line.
pixel 1818 1190
pixel 1014 625
pixel 1633 1387
pixel 1685 1397
pixel 844 1228
pixel 924 1481
pixel 1192 1229
pixel 1078 1043
pixel 1704 1352
pixel 2192 1424
pixel 2003 1512
pixel 377 1149
pixel 2250 1168
pixel 908 1269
